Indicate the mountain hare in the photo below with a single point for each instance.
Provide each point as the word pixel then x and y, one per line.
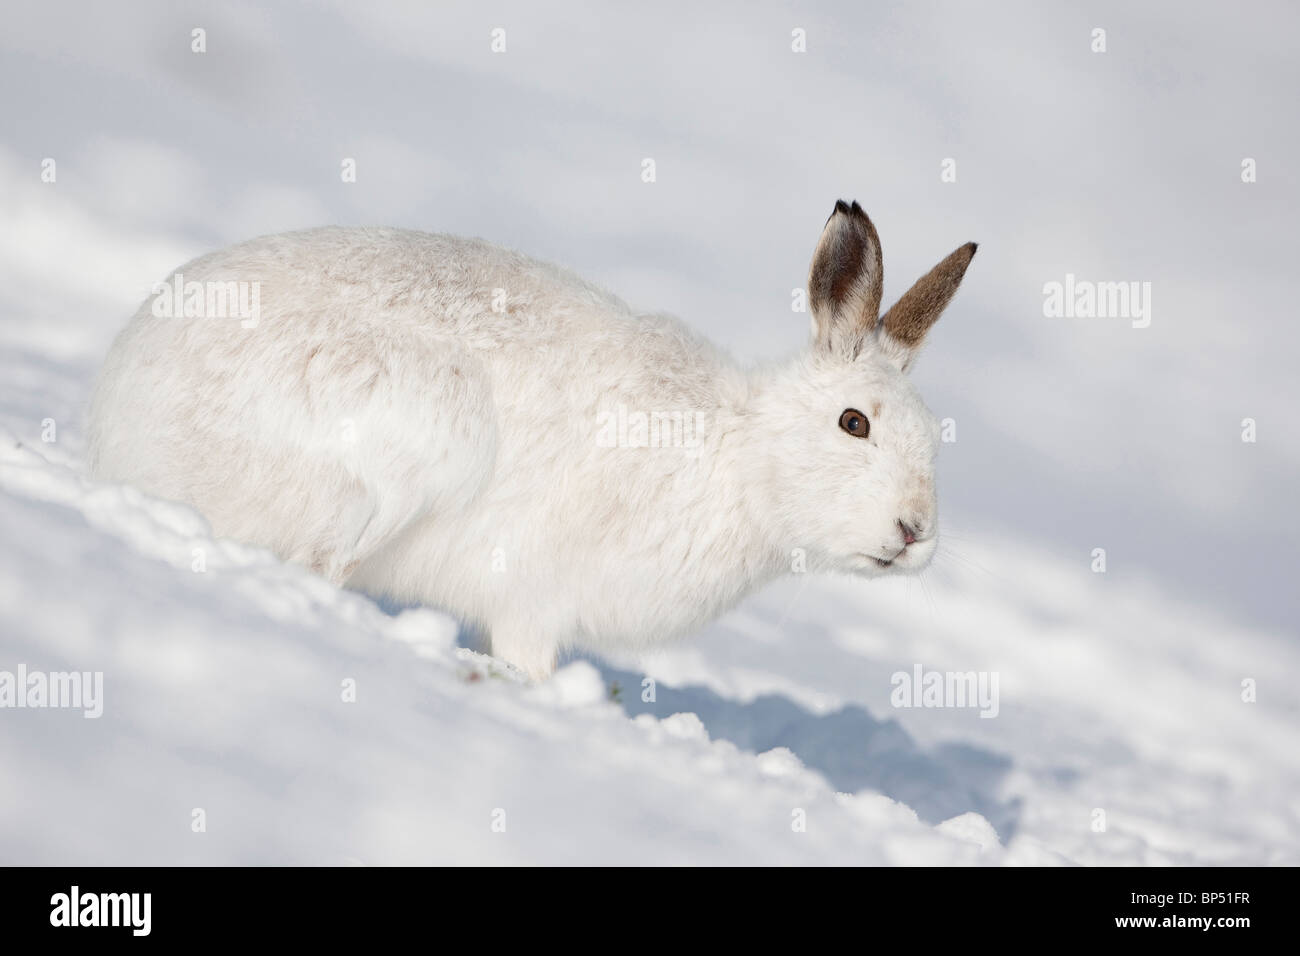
pixel 446 422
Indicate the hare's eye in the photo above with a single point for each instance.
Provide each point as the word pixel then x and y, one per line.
pixel 855 423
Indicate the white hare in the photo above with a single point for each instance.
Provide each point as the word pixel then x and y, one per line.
pixel 446 422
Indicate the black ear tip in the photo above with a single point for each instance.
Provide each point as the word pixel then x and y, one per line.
pixel 854 210
pixel 972 247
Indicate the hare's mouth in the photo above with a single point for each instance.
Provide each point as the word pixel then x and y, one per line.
pixel 911 559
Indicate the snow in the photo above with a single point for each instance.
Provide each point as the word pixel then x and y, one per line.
pixel 770 738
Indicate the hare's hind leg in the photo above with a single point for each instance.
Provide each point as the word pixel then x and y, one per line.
pixel 414 434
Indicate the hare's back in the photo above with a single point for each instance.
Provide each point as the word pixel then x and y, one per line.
pixel 365 276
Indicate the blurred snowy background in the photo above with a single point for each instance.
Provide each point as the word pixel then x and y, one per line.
pixel 1120 691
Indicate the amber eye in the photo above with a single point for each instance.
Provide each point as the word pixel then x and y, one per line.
pixel 855 423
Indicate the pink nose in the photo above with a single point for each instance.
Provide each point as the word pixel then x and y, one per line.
pixel 909 536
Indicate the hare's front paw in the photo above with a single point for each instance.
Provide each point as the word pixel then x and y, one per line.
pixel 523 647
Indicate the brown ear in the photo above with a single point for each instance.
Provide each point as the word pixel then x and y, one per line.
pixel 920 307
pixel 844 281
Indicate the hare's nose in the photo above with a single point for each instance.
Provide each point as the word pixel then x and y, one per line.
pixel 909 533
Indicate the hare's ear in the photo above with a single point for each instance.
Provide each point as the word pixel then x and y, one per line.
pixel 844 282
pixel 904 326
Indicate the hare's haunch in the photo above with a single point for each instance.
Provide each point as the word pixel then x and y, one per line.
pixel 446 422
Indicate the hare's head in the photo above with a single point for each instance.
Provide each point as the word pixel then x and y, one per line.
pixel 851 446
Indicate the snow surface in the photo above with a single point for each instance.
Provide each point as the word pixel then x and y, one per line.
pixel 771 738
